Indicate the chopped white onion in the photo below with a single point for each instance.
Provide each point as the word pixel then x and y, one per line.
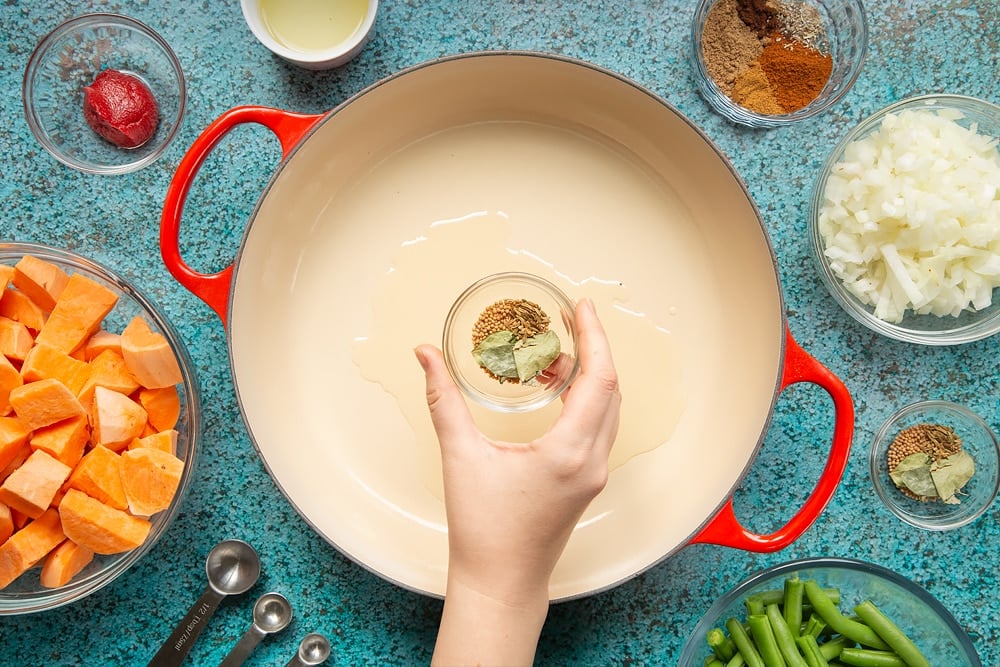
pixel 910 218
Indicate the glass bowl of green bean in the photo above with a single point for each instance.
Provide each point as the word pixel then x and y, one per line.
pixel 844 610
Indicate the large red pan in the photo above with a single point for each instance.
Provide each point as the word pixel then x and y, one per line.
pixel 384 209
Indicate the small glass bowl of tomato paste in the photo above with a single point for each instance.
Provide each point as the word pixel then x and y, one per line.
pixel 531 369
pixel 69 59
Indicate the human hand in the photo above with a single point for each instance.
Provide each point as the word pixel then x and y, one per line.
pixel 511 507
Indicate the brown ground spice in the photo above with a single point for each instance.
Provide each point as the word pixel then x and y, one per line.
pixel 728 44
pixel 796 72
pixel 759 15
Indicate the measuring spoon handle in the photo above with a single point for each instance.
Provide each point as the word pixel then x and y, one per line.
pixel 179 643
pixel 244 647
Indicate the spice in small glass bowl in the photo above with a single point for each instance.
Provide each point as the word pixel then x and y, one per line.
pixel 768 63
pixel 510 342
pixel 935 465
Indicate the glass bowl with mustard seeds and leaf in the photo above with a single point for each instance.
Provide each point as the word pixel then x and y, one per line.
pixel 769 63
pixel 510 342
pixel 935 465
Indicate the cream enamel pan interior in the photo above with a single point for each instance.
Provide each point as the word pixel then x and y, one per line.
pixel 387 207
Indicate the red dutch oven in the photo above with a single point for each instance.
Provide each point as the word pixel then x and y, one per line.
pixel 384 209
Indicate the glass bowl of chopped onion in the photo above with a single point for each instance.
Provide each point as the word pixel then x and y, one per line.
pixel 905 220
pixel 69 60
pixel 935 465
pixel 510 342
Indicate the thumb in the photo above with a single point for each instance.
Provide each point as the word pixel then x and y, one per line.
pixel 449 413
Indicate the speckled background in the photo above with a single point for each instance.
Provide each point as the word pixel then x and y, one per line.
pixel 917 46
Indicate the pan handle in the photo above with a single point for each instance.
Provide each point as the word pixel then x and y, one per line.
pixel 725 529
pixel 213 288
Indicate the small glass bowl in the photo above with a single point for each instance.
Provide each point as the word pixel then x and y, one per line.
pixel 473 379
pixel 919 614
pixel 70 58
pixel 26 594
pixel 977 439
pixel 914 328
pixel 847 33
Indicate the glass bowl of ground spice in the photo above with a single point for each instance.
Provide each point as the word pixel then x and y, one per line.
pixel 510 342
pixel 935 465
pixel 769 63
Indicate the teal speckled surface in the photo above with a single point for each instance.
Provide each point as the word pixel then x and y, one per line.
pixel 917 46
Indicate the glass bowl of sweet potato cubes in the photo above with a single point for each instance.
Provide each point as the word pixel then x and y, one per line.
pixel 99 426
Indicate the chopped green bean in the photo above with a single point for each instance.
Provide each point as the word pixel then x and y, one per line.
pixel 810 649
pixel 763 637
pixel 778 595
pixel 851 629
pixel 721 645
pixel 712 661
pixel 792 604
pixel 744 644
pixel 814 626
pixel 832 648
pixel 754 605
pixel 736 661
pixel 891 634
pixel 783 637
pixel 863 657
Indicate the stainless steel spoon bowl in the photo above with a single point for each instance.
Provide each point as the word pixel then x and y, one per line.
pixel 313 650
pixel 232 567
pixel 271 613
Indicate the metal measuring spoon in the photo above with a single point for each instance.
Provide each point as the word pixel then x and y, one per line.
pixel 233 567
pixel 271 613
pixel 313 649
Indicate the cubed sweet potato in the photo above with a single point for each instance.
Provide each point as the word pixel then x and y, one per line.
pixel 19 307
pixel 165 441
pixel 63 563
pixel 116 419
pixel 44 402
pixel 42 281
pixel 102 340
pixel 20 455
pixel 14 435
pixel 150 478
pixel 10 378
pixel 99 475
pixel 162 405
pixel 99 527
pixel 29 545
pixel 107 370
pixel 6 523
pixel 45 361
pixel 148 355
pixel 31 488
pixel 78 314
pixel 64 440
pixel 15 339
